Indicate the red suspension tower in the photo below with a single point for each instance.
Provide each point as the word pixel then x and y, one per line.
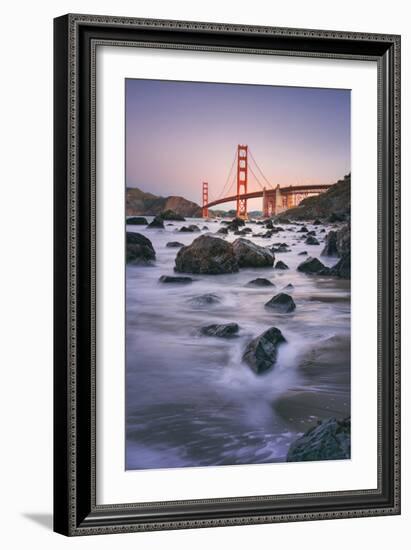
pixel 242 177
pixel 205 199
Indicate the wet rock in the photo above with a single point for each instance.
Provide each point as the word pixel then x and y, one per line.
pixel 170 215
pixel 261 353
pixel 139 249
pixel 289 287
pixel 282 303
pixel 207 254
pixel 235 224
pixel 157 223
pixel 204 300
pixel 281 265
pixel 317 222
pixel 220 331
pixel 249 254
pixel 283 247
pixel 330 248
pixel 312 265
pixel 260 282
pixel 311 240
pixel 269 225
pixel 176 280
pixel 223 231
pixel 174 244
pixel 136 220
pixel 344 241
pixel 329 440
pixel 190 229
pixel 303 229
pixel 303 253
pixel 342 268
pixel 204 228
pixel 311 233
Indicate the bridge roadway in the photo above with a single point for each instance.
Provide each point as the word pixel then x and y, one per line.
pixel 290 190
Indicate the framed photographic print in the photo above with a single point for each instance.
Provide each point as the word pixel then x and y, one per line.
pixel 227 280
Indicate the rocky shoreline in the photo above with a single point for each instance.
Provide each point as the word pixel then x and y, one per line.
pixel 212 254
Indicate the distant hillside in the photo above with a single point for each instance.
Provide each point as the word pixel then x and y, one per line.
pixel 336 201
pixel 140 203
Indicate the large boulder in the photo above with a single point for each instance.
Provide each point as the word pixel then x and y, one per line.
pixel 139 249
pixel 342 268
pixel 207 254
pixel 261 353
pixel 312 265
pixel 329 440
pixel 338 243
pixel 249 254
pixel 282 303
pixel 136 220
pixel 220 331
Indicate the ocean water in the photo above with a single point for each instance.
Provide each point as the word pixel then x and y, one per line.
pixel 190 401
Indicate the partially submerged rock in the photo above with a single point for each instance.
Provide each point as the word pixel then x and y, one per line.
pixel 261 353
pixel 312 265
pixel 329 440
pixel 175 280
pixel 342 268
pixel 281 265
pixel 311 240
pixel 136 220
pixel 207 254
pixel 282 303
pixel 139 249
pixel 190 229
pixel 249 254
pixel 330 248
pixel 260 281
pixel 204 300
pixel 174 244
pixel 157 223
pixel 220 331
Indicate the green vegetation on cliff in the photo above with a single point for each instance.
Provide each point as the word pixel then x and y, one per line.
pixel 140 203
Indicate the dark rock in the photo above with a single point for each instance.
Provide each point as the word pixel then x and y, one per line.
pixel 157 223
pixel 312 265
pixel 303 229
pixel 329 440
pixel 330 248
pixel 283 303
pixel 260 282
pixel 303 253
pixel 289 287
pixel 235 224
pixel 342 268
pixel 280 249
pixel 207 254
pixel 170 215
pixel 139 249
pixel 174 244
pixel 204 228
pixel 311 233
pixel 261 353
pixel 281 265
pixel 311 240
pixel 317 222
pixel 269 225
pixel 223 231
pixel 221 331
pixel 177 280
pixel 190 229
pixel 266 235
pixel 249 254
pixel 204 300
pixel 136 220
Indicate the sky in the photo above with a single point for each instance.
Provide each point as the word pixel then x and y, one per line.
pixel 179 134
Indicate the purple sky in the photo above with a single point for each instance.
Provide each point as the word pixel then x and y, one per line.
pixel 179 134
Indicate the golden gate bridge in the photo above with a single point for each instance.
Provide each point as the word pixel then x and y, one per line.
pixel 276 199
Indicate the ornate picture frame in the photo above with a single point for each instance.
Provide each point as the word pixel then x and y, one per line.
pixel 76 39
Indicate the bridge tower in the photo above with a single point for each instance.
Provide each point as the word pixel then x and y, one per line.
pixel 242 180
pixel 205 199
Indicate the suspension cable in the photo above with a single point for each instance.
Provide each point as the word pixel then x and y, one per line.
pixel 229 176
pixel 259 169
